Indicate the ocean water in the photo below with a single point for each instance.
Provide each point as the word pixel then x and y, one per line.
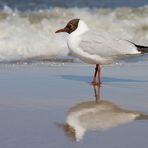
pixel 27 27
pixel 45 4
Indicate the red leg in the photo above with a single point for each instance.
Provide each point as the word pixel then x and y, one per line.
pixel 99 75
pixel 95 74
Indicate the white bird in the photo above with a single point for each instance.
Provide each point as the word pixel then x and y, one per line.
pixel 98 48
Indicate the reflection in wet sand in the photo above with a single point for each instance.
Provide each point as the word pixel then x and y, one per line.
pixel 97 115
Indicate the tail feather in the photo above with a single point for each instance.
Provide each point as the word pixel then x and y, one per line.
pixel 142 49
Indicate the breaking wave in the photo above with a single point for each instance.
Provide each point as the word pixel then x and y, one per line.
pixel 30 34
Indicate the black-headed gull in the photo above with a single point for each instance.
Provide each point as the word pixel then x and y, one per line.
pixel 95 47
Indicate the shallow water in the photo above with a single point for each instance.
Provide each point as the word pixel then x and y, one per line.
pixel 37 100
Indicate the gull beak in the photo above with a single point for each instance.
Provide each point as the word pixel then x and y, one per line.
pixel 61 30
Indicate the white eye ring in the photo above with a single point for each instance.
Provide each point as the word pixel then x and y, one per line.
pixel 70 26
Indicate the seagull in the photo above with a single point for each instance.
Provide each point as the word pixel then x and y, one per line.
pixel 99 48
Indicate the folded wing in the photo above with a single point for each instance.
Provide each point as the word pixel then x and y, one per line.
pixel 105 44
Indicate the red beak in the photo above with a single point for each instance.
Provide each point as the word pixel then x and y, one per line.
pixel 61 30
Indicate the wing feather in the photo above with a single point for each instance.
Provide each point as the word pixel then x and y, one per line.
pixel 105 44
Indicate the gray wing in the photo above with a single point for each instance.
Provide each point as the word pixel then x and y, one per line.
pixel 105 44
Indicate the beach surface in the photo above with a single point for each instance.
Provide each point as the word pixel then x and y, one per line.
pixel 40 105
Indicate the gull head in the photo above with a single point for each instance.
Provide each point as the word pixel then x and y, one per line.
pixel 73 25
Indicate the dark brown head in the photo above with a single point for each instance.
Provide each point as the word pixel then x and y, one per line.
pixel 70 27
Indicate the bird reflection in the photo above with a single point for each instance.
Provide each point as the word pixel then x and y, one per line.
pixel 96 115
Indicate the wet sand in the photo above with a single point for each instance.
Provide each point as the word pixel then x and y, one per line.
pixel 44 106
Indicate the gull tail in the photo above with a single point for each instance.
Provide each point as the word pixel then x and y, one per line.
pixel 142 49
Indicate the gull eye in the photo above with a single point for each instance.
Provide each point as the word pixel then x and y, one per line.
pixel 70 26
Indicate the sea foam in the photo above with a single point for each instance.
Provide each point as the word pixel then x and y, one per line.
pixel 31 34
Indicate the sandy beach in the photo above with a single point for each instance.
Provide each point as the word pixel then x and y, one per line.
pixel 40 106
